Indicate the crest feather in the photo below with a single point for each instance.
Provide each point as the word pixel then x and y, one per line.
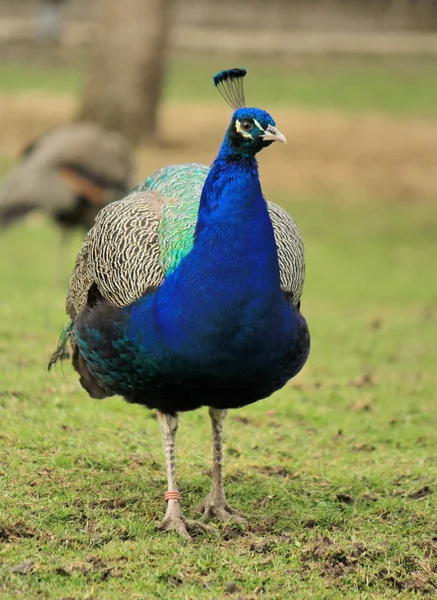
pixel 230 85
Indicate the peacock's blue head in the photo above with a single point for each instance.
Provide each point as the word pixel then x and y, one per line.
pixel 251 129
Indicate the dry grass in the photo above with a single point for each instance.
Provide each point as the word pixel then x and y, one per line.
pixel 328 152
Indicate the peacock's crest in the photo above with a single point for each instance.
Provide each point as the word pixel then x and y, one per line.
pixel 230 85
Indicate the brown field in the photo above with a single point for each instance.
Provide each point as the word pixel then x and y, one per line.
pixel 331 153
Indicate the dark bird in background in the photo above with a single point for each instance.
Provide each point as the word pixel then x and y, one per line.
pixel 69 173
pixel 187 294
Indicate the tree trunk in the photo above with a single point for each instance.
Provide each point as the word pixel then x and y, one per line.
pixel 123 87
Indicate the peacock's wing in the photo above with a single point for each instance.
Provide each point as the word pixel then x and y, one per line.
pixel 136 241
pixel 120 254
pixel 290 252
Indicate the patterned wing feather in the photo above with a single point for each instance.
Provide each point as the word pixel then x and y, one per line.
pixel 80 282
pixel 120 253
pixel 290 251
pixel 124 252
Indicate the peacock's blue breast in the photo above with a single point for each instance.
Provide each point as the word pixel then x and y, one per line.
pixel 130 356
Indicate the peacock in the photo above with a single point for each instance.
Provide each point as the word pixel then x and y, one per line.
pixel 70 173
pixel 187 294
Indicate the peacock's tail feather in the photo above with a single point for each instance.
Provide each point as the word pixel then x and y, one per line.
pixel 61 352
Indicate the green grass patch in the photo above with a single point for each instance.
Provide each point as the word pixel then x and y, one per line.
pixel 401 86
pixel 336 472
pixel 24 77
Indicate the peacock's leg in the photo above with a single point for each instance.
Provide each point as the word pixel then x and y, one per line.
pixel 173 519
pixel 215 505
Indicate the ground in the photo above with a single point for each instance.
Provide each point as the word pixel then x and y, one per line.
pixel 336 472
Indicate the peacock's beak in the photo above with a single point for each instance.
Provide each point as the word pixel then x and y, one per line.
pixel 271 134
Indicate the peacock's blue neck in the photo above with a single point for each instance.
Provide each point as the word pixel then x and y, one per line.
pixel 231 191
pixel 232 202
pixel 234 237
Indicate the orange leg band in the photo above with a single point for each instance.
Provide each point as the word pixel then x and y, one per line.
pixel 172 495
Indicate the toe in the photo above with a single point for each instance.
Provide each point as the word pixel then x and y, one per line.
pixel 177 525
pixel 229 514
pixel 185 527
pixel 196 526
pixel 220 512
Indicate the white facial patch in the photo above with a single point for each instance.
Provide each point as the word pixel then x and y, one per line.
pixel 246 134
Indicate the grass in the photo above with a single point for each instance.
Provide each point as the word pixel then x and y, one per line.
pixel 336 472
pixel 401 86
pixel 24 77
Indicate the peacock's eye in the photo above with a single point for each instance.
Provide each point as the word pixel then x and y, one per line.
pixel 246 125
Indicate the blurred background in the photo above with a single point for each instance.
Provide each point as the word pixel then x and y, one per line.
pixel 352 84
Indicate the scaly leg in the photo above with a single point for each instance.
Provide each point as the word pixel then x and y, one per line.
pixel 215 505
pixel 173 519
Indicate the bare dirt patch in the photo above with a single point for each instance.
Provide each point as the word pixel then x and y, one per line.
pixel 337 562
pixel 24 116
pixel 17 531
pixel 360 156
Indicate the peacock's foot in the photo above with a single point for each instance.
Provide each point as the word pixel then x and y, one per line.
pixel 175 521
pixel 216 507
